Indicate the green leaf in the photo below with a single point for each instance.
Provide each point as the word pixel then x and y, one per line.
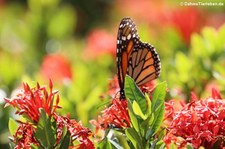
pixel 115 144
pixel 173 146
pixel 104 144
pixel 157 107
pixel 33 146
pixel 158 96
pixel 133 136
pixel 145 125
pixel 45 133
pixel 153 143
pixel 160 144
pixel 149 133
pixel 65 141
pixel 12 126
pixel 149 105
pixel 11 145
pixel 132 116
pixel 190 147
pixel 137 110
pixel 158 118
pixel 133 93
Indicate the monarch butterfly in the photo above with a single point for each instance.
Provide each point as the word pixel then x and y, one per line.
pixel 134 58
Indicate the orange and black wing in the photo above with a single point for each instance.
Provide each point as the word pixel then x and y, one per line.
pixel 144 63
pixel 138 60
pixel 126 40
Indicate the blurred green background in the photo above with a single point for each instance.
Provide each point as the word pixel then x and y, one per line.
pixel 74 43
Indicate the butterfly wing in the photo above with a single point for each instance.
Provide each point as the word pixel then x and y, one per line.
pixel 138 60
pixel 126 40
pixel 144 63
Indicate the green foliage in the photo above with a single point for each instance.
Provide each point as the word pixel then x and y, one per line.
pixel 85 89
pixel 207 54
pixel 104 144
pixel 200 66
pixel 134 94
pixel 145 128
pixel 158 108
pixel 65 141
pixel 12 70
pixel 45 132
pixel 146 123
pixel 12 126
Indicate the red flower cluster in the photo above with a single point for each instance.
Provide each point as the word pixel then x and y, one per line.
pixel 77 131
pixel 115 116
pixel 28 103
pixel 30 100
pixel 200 122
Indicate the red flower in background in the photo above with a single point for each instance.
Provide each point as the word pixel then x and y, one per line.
pixel 201 123
pixel 56 68
pixel 30 100
pixel 186 21
pixel 100 42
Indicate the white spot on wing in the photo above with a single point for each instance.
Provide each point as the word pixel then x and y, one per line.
pixel 129 36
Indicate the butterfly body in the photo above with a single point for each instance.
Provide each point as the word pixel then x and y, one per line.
pixel 135 58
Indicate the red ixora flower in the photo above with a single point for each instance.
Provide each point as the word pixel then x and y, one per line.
pixel 200 122
pixel 30 100
pixel 76 130
pixel 115 116
pixel 24 136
